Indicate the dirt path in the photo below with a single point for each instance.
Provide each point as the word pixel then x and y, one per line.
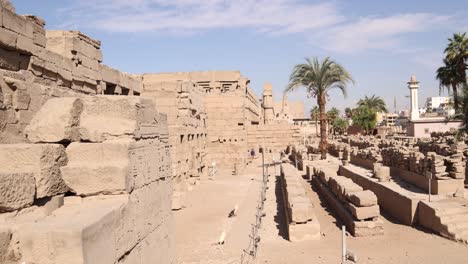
pixel 200 224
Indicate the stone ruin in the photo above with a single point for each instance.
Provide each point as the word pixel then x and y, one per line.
pixel 94 159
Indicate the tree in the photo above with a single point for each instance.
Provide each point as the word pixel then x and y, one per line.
pixel 374 103
pixel 365 118
pixel 314 115
pixel 449 77
pixel 340 125
pixel 348 112
pixel 319 78
pixel 457 53
pixel 332 115
pixel 463 113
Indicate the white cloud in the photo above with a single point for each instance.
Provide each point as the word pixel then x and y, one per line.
pixel 178 15
pixel 323 23
pixel 379 33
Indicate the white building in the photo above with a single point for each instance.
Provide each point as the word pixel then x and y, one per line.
pixel 437 102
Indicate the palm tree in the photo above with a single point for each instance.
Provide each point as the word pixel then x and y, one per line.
pixel 319 78
pixel 340 125
pixel 449 77
pixel 332 115
pixel 314 115
pixel 457 53
pixel 374 103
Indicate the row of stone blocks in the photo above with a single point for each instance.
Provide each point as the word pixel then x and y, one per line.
pixel 299 210
pixel 357 208
pixel 115 171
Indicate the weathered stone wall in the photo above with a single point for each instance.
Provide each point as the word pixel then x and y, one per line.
pixel 36 65
pixel 183 103
pixel 230 107
pixel 115 175
pixel 274 137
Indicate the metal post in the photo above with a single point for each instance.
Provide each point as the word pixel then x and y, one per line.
pixel 343 245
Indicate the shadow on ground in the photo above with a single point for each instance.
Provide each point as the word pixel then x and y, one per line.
pixel 280 217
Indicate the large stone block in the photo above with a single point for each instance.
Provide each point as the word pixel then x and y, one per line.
pixel 74 234
pixel 41 160
pixel 8 38
pixel 109 117
pixel 56 121
pixel 97 167
pixel 363 198
pixel 17 190
pixel 362 213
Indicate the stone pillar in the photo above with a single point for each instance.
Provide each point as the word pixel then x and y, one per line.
pixel 413 85
pixel 267 104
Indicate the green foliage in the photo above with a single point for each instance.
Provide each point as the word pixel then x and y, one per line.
pixel 452 75
pixel 374 102
pixel 340 125
pixel 314 113
pixel 365 118
pixel 319 77
pixel 333 114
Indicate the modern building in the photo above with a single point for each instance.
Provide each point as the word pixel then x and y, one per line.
pixel 423 126
pixel 437 101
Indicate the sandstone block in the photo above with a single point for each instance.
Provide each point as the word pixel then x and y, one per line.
pixel 301 212
pixel 17 191
pixel 8 38
pixel 97 167
pixel 21 100
pixel 74 234
pixel 382 173
pixel 26 45
pixel 43 161
pixel 56 121
pixel 108 117
pixel 17 23
pixel 362 198
pixel 362 213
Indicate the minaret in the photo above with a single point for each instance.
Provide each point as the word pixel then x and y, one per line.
pixel 267 103
pixel 413 85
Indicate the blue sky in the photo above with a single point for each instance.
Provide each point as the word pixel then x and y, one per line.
pixel 381 43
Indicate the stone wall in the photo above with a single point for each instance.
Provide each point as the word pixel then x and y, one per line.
pixel 183 103
pixel 36 65
pixel 273 137
pixel 103 197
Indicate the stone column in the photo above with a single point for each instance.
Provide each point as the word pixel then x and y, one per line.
pixel 413 85
pixel 267 104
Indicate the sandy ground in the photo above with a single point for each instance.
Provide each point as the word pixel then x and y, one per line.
pixel 199 225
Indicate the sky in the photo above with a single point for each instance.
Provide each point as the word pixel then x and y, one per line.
pixel 381 43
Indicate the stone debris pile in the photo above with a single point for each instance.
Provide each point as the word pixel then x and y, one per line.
pixel 300 215
pixel 356 207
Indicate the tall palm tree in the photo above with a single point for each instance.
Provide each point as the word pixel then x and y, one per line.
pixel 457 53
pixel 314 115
pixel 449 77
pixel 374 103
pixel 319 78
